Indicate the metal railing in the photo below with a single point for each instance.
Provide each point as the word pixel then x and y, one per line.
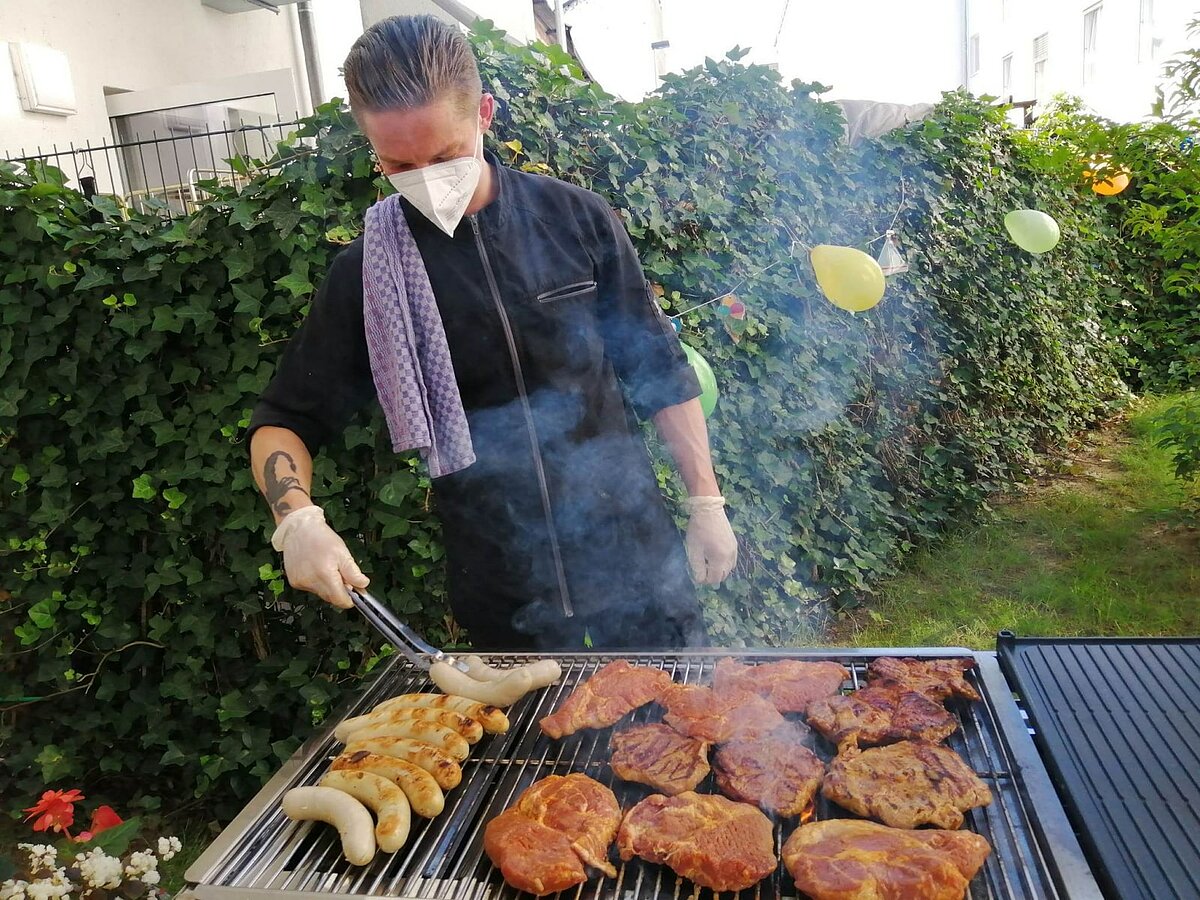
pixel 162 175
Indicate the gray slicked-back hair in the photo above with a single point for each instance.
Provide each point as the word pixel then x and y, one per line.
pixel 404 62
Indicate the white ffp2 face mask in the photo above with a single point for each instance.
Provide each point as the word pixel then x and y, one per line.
pixel 442 191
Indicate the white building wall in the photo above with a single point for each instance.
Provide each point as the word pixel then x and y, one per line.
pixel 865 49
pixel 1126 72
pixel 132 45
pixel 514 16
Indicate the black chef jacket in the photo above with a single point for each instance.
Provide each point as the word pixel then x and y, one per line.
pixel 559 526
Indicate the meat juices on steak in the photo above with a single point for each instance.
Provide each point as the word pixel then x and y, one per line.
pixel 710 840
pixel 709 715
pixel 790 685
pixel 558 826
pixel 852 859
pixel 602 700
pixel 935 678
pixel 775 772
pixel 906 784
pixel 660 757
pixel 881 715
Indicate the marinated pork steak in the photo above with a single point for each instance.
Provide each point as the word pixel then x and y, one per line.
pixel 906 784
pixel 789 684
pixel 602 700
pixel 708 715
pixel 936 678
pixel 557 827
pixel 660 757
pixel 851 859
pixel 881 715
pixel 710 840
pixel 776 772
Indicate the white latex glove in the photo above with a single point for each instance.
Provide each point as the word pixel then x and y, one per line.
pixel 315 559
pixel 711 546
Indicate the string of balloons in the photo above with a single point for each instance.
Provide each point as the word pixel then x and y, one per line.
pixel 855 281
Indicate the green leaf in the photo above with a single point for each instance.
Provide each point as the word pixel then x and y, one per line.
pixel 298 285
pixel 143 488
pixel 113 841
pixel 174 497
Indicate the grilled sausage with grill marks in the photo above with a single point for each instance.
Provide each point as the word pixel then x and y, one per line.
pixel 423 793
pixel 493 719
pixel 450 742
pixel 470 729
pixel 393 813
pixel 441 765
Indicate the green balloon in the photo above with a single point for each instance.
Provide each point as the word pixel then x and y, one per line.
pixel 1032 230
pixel 708 381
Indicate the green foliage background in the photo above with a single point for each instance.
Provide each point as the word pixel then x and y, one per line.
pixel 150 645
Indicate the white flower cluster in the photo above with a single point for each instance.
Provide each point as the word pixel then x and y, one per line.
pixel 168 847
pixel 51 887
pixel 41 856
pixel 142 865
pixel 98 869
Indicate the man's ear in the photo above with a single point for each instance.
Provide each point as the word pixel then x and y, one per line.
pixel 487 111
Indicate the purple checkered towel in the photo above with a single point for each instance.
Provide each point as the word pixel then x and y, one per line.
pixel 410 359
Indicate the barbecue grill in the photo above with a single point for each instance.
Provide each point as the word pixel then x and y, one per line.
pixel 262 854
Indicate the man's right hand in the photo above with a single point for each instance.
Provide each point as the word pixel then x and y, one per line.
pixel 315 558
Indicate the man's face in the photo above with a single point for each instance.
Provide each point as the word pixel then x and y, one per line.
pixel 407 139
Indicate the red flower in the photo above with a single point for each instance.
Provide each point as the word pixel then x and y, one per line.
pixel 55 811
pixel 103 818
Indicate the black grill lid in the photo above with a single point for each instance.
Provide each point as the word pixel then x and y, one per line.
pixel 1118 723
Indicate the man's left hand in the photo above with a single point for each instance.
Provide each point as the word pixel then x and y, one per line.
pixel 711 545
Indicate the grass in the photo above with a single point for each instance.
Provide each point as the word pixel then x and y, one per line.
pixel 1107 546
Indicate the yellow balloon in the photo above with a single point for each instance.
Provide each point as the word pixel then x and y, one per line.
pixel 1032 230
pixel 1111 186
pixel 848 277
pixel 1106 179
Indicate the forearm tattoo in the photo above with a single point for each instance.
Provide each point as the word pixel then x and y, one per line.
pixel 277 486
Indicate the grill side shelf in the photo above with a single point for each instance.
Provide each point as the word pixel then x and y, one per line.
pixel 1118 725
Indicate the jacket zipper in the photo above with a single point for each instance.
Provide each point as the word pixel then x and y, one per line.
pixel 563 593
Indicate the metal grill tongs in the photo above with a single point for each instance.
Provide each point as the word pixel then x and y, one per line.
pixel 414 647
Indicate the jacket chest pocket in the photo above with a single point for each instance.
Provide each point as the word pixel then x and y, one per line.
pixel 571 291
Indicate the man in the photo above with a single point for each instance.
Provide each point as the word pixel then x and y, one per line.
pixel 557 532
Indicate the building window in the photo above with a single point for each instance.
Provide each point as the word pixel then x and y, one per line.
pixel 1041 55
pixel 1148 40
pixel 1006 76
pixel 974 54
pixel 1091 31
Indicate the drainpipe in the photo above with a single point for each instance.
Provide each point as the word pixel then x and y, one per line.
pixel 312 59
pixel 560 33
pixel 964 50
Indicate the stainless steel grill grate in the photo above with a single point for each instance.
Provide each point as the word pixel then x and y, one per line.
pixel 263 854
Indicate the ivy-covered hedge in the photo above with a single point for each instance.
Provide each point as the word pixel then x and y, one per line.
pixel 149 642
pixel 1153 224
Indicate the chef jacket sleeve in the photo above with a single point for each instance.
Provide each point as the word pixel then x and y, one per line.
pixel 638 336
pixel 324 374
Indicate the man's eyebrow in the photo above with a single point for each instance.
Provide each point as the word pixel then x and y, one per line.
pixel 448 150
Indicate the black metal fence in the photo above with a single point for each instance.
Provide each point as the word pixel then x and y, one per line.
pixel 163 174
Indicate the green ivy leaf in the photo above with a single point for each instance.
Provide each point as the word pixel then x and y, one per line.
pixel 174 497
pixel 143 488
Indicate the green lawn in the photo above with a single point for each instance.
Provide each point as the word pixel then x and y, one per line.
pixel 1107 546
